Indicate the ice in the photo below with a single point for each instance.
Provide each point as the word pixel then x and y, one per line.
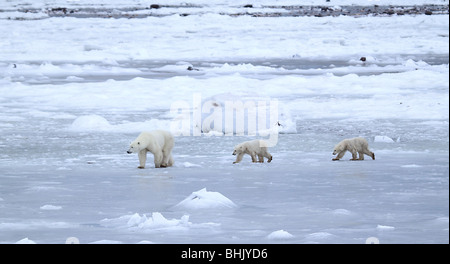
pixel 76 90
pixel 279 235
pixel 385 228
pixel 106 241
pixel 145 242
pixel 342 212
pixel 190 165
pixel 411 166
pixel 50 207
pixel 384 139
pixel 25 241
pixel 97 123
pixel 204 199
pixel 319 236
pixel 228 38
pixel 155 222
pixel 415 64
pixel 90 123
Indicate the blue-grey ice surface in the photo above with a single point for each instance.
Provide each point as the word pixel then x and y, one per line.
pixel 94 188
pixel 66 123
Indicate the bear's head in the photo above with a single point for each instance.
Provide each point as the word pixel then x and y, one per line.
pixel 338 148
pixel 239 149
pixel 135 146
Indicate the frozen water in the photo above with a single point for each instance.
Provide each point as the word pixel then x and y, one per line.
pixel 301 191
pixel 74 92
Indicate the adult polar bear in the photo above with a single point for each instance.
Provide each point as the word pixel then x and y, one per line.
pixel 354 145
pixel 158 142
pixel 253 148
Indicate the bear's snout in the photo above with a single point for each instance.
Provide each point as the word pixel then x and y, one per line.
pixel 234 153
pixel 129 152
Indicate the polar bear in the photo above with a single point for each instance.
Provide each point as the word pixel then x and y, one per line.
pixel 253 148
pixel 353 145
pixel 158 142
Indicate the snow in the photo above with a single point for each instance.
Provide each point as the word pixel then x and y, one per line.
pixel 204 199
pixel 106 241
pixel 342 212
pixel 319 236
pixel 50 207
pixel 279 235
pixel 155 222
pixel 190 165
pixel 25 241
pixel 225 39
pixel 411 166
pixel 75 91
pixel 90 123
pixel 384 139
pixel 385 228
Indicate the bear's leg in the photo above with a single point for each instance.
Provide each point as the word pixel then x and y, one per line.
pixel 369 153
pixel 142 158
pixel 361 155
pixel 260 158
pixel 253 154
pixel 167 153
pixel 354 155
pixel 239 158
pixel 158 156
pixel 340 155
pixel 268 156
pixel 165 159
pixel 170 161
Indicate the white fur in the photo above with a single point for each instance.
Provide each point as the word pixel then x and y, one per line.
pixel 253 148
pixel 159 143
pixel 354 145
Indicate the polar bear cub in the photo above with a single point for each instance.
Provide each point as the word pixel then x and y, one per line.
pixel 159 143
pixel 253 148
pixel 354 145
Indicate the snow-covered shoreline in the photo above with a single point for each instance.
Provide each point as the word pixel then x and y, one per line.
pixel 213 37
